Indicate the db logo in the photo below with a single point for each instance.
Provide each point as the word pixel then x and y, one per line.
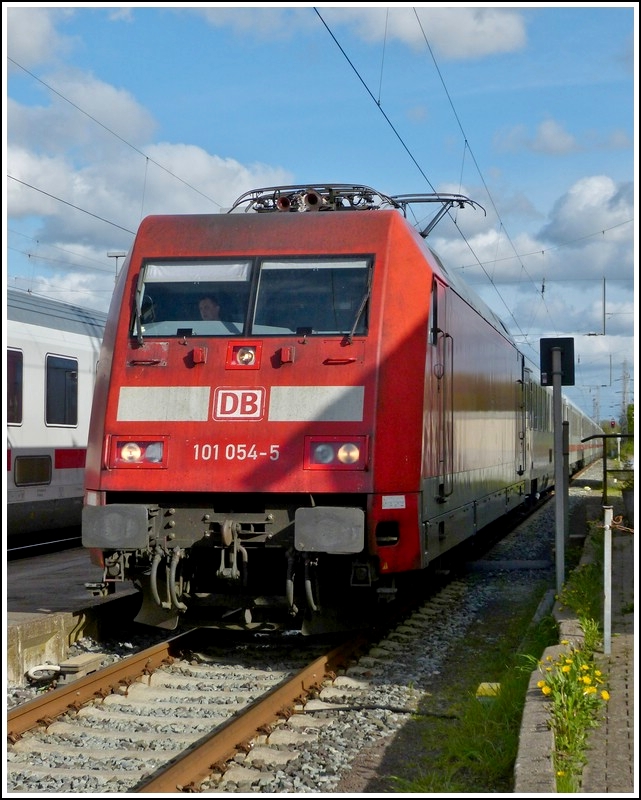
pixel 239 403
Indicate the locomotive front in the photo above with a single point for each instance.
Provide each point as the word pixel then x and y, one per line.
pixel 231 464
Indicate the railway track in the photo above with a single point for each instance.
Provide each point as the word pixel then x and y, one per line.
pixel 181 717
pixel 159 720
pixel 178 718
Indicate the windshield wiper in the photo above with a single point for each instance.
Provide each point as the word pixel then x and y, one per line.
pixel 361 308
pixel 139 335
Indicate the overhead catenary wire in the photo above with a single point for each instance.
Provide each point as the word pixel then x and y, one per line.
pixel 476 264
pixel 113 133
pixel 466 148
pixel 148 159
pixel 414 160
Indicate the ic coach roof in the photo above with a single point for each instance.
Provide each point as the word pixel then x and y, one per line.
pixel 37 310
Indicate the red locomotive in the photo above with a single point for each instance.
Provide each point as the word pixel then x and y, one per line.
pixel 294 410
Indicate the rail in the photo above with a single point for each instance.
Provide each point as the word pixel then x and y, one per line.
pixel 186 771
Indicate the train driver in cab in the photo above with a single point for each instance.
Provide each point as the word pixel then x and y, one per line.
pixel 209 307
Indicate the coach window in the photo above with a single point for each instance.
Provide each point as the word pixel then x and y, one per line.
pixel 62 391
pixel 32 470
pixel 537 407
pixel 541 399
pixel 14 387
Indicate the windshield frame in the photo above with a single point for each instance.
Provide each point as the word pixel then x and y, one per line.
pixel 318 295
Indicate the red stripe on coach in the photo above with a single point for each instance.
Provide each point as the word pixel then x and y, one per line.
pixel 70 459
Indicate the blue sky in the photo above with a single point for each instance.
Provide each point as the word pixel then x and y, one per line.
pixel 113 113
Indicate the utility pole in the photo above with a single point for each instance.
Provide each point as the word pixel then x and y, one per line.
pixel 596 405
pixel 116 256
pixel 625 380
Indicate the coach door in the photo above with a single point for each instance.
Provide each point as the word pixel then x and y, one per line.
pixel 444 373
pixel 523 399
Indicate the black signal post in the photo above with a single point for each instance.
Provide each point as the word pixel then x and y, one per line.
pixel 557 369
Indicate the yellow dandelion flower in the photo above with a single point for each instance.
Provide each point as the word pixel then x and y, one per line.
pixel 560 773
pixel 586 679
pixel 584 666
pixel 598 673
pixel 565 668
pixel 605 695
pixel 541 684
pixel 590 690
pixel 564 641
pixel 547 691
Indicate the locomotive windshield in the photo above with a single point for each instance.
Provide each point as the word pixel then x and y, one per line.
pixel 297 296
pixel 308 296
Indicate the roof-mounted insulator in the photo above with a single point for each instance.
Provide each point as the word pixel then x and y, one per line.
pixel 344 197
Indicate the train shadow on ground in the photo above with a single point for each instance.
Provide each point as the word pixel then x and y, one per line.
pixel 41 542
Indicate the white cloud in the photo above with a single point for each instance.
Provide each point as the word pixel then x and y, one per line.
pixel 473 32
pixel 550 138
pixel 592 204
pixel 221 179
pixel 32 36
pixel 116 178
pixel 103 203
pixel 615 140
pixel 113 172
pixel 68 123
pixel 121 15
pixel 262 23
pixel 553 283
pixel 77 287
pixel 454 33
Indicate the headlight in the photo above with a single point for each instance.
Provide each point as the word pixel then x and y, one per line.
pixel 153 451
pixel 348 453
pixel 243 355
pixel 129 452
pixel 335 452
pixel 246 356
pixel 323 454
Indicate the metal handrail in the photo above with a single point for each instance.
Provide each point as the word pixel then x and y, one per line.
pixel 603 437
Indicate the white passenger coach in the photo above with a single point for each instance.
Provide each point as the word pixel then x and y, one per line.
pixel 52 355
